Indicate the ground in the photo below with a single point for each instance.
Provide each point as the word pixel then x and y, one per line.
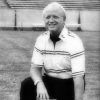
pixel 15 55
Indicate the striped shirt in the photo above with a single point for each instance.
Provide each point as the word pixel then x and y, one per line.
pixel 64 60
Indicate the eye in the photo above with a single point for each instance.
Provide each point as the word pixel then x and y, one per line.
pixel 48 17
pixel 55 17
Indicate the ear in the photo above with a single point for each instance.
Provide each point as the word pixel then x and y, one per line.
pixel 64 18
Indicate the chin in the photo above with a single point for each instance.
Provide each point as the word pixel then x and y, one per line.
pixel 52 30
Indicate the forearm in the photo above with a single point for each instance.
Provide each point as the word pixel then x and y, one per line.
pixel 79 88
pixel 36 73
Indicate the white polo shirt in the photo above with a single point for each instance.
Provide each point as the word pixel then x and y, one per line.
pixel 65 60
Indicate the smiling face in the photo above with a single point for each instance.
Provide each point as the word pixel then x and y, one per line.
pixel 54 20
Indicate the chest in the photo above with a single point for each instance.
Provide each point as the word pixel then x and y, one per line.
pixel 57 47
pixel 57 55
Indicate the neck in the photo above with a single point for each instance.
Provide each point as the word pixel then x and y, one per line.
pixel 54 37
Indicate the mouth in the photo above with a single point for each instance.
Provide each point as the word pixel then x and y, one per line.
pixel 52 25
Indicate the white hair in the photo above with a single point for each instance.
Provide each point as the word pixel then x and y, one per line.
pixel 54 6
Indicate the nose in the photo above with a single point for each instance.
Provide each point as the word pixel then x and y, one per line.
pixel 51 19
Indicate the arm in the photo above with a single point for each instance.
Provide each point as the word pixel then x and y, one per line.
pixel 37 63
pixel 36 74
pixel 78 87
pixel 78 68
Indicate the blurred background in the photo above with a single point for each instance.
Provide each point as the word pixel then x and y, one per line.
pixel 20 24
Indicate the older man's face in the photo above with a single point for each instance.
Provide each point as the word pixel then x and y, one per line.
pixel 54 20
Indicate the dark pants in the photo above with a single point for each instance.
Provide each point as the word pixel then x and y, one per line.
pixel 60 89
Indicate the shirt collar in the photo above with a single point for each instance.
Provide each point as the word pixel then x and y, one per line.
pixel 62 35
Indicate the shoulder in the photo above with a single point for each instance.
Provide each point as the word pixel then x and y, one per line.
pixel 75 42
pixel 74 37
pixel 41 40
pixel 42 36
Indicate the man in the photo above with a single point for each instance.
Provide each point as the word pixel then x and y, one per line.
pixel 58 61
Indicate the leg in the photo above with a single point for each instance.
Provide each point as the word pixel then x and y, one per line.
pixel 27 90
pixel 60 89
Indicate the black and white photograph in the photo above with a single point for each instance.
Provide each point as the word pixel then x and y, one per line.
pixel 49 49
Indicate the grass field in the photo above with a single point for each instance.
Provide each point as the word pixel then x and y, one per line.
pixel 15 54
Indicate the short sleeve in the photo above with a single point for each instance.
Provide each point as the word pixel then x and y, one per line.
pixel 37 57
pixel 78 58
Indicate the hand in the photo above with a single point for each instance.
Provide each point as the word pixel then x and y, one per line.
pixel 42 93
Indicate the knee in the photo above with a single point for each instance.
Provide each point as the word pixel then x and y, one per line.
pixel 27 89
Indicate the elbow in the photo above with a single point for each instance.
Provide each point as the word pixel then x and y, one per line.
pixel 32 68
pixel 79 82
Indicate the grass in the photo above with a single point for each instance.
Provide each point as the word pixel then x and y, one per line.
pixel 15 55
